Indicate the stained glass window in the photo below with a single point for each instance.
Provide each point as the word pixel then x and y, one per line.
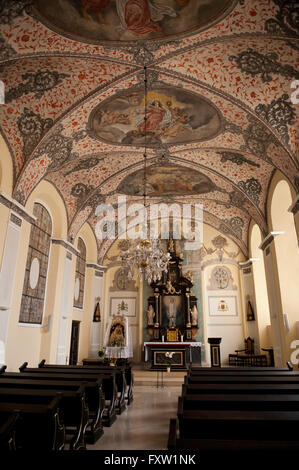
pixel 34 288
pixel 80 275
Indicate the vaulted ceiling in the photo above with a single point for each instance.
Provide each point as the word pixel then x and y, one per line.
pixel 219 77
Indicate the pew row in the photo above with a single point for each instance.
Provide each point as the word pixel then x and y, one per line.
pixel 106 382
pixel 238 379
pixel 8 424
pixel 229 446
pixel 73 408
pixel 39 426
pixel 120 377
pixel 93 401
pixel 246 388
pixel 245 410
pixel 128 374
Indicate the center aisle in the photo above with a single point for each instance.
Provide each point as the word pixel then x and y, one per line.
pixel 144 425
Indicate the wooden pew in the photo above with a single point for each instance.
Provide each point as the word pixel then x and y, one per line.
pixel 224 410
pixel 119 371
pixel 128 374
pixel 264 446
pixel 39 426
pixel 8 423
pixel 242 373
pixel 106 382
pixel 235 379
pixel 235 401
pixel 88 425
pixel 239 424
pixel 244 388
pixel 73 408
pixel 195 368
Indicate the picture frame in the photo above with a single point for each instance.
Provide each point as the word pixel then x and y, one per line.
pixel 123 306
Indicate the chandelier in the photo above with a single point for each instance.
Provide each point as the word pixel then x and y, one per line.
pixel 146 255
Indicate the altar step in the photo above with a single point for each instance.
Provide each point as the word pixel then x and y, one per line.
pixel 152 378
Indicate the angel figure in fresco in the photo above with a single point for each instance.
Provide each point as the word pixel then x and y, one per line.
pixel 94 6
pixel 177 123
pixel 108 117
pixel 140 17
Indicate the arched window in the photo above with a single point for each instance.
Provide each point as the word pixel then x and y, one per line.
pixel 34 288
pixel 80 275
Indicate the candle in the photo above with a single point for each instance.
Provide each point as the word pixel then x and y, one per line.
pixel 162 338
pixel 182 338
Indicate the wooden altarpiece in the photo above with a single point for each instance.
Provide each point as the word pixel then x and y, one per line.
pixel 173 303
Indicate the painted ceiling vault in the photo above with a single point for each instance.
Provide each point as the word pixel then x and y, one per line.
pixel 220 119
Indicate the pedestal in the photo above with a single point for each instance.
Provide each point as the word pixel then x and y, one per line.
pixel 215 351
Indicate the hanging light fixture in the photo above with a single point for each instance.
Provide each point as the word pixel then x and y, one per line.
pixel 146 255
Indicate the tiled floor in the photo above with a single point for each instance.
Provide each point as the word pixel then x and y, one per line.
pixel 144 425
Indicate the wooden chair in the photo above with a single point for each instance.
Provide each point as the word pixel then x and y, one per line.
pixel 247 357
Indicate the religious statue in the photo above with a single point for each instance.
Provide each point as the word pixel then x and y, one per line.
pixel 194 315
pixel 172 312
pixel 117 332
pixel 150 315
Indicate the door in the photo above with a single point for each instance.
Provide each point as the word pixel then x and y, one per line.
pixel 74 343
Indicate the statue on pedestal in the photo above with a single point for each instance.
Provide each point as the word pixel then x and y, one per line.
pixel 194 316
pixel 150 316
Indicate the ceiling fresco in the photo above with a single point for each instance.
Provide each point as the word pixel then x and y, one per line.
pixel 129 20
pixel 166 180
pixel 220 119
pixel 173 116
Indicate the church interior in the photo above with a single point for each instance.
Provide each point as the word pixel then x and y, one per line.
pixel 108 109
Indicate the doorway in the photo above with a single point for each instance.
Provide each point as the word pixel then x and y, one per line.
pixel 74 343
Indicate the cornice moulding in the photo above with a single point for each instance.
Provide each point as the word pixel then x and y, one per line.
pixel 65 244
pixel 16 207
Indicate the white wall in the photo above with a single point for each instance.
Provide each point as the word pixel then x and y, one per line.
pixel 227 325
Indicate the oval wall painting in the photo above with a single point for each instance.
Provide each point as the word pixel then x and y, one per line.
pixel 174 116
pixel 94 21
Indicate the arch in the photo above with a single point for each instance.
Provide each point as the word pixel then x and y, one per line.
pixel 6 168
pixel 260 285
pixel 47 195
pixel 88 236
pixel 287 253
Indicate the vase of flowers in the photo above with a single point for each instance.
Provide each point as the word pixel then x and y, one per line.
pixel 101 353
pixel 112 361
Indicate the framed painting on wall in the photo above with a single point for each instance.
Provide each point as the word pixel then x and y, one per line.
pixel 123 306
pixel 224 305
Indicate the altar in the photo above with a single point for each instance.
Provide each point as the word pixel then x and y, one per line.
pixel 158 355
pixel 172 319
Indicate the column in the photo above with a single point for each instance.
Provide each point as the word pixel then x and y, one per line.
pixel 248 294
pixel 17 215
pixel 62 351
pixel 98 296
pixel 273 287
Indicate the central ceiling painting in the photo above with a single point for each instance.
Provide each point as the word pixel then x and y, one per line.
pixel 174 116
pixel 129 20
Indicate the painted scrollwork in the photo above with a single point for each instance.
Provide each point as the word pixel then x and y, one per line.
pixel 253 63
pixel 252 187
pixel 32 127
pixel 38 83
pixel 279 114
